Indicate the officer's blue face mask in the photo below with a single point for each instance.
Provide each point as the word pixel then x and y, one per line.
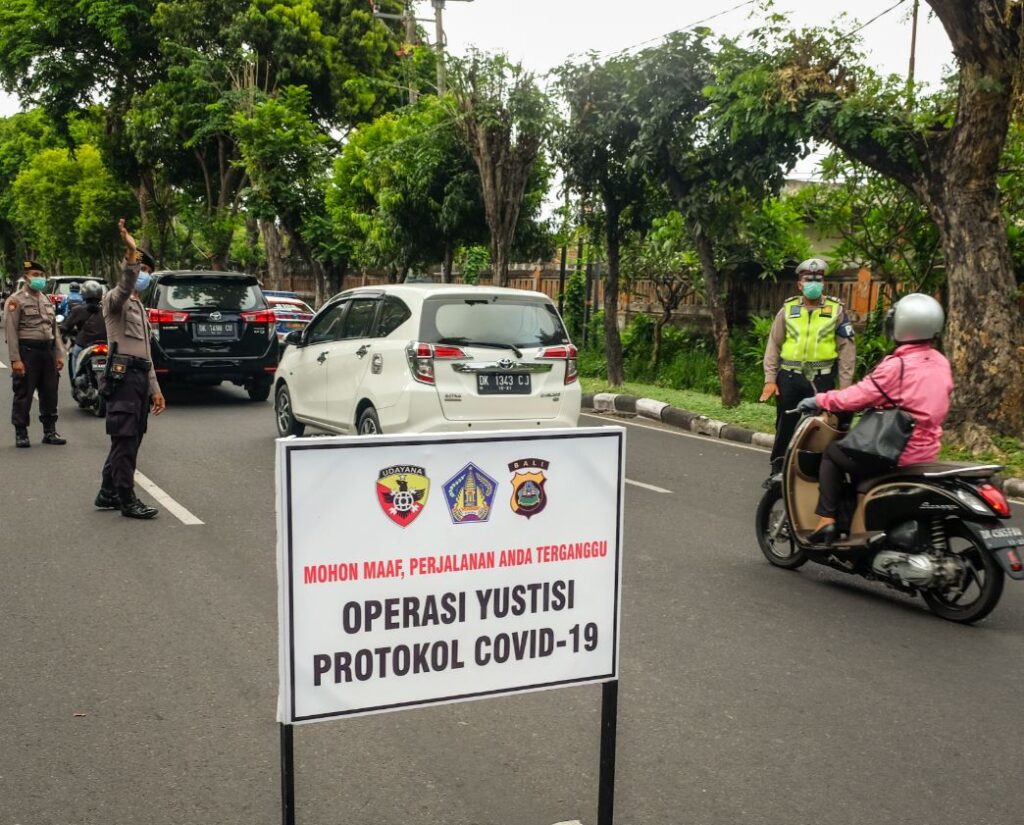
pixel 38 284
pixel 142 281
pixel 812 289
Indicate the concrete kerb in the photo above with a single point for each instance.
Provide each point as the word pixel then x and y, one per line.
pixel 703 425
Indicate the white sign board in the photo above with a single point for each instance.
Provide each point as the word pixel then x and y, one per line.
pixel 415 570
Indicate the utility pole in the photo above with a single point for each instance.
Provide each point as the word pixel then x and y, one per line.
pixel 439 44
pixel 410 38
pixel 913 55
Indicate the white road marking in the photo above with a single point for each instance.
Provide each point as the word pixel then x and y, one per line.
pixel 722 442
pixel 650 487
pixel 175 509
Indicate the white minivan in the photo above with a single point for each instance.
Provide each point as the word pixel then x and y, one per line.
pixel 420 358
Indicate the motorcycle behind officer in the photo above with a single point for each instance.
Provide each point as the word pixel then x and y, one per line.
pixel 85 324
pixel 37 355
pixel 129 384
pixel 810 348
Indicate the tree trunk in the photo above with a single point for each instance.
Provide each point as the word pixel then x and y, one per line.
pixel 719 322
pixel 446 263
pixel 275 253
pixel 612 340
pixel 252 240
pixel 499 258
pixel 659 330
pixel 984 336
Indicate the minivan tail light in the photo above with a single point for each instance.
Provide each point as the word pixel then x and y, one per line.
pixel 422 356
pixel 567 354
pixel 167 316
pixel 995 499
pixel 260 316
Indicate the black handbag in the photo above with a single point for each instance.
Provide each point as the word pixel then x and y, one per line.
pixel 881 435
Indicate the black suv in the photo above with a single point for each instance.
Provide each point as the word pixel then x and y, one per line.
pixel 210 327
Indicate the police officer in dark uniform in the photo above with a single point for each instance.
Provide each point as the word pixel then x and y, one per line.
pixel 130 384
pixel 36 353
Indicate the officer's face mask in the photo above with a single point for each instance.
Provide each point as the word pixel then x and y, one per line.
pixel 812 289
pixel 38 284
pixel 142 281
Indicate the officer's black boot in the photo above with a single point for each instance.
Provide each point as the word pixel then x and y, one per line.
pixel 53 437
pixel 131 507
pixel 21 438
pixel 107 499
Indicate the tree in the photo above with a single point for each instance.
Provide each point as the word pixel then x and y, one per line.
pixel 596 148
pixel 716 176
pixel 665 258
pixel 504 119
pixel 808 85
pixel 22 137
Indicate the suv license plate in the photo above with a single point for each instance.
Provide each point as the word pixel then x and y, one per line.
pixel 215 330
pixel 503 383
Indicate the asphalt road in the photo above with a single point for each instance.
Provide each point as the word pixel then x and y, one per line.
pixel 138 665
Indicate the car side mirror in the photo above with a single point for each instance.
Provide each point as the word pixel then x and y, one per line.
pixel 295 338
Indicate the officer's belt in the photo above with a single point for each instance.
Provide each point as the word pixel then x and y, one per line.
pixel 809 369
pixel 130 362
pixel 32 344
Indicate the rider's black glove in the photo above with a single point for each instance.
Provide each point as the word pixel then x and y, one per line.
pixel 808 406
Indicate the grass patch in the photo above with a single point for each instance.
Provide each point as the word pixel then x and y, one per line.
pixel 761 418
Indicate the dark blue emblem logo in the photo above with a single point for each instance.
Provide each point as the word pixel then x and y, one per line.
pixel 470 495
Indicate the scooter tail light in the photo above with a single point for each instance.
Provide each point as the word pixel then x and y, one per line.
pixel 101 349
pixel 1015 563
pixel 995 499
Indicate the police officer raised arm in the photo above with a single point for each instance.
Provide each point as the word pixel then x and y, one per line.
pixel 36 353
pixel 810 349
pixel 130 385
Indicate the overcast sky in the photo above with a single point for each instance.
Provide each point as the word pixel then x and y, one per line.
pixel 543 33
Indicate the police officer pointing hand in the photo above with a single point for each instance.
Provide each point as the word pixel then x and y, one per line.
pixel 36 352
pixel 130 382
pixel 810 349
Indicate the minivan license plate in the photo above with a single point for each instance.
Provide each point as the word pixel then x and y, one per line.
pixel 215 330
pixel 503 383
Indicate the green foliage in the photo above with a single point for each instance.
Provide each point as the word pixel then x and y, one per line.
pixel 574 304
pixel 472 260
pixel 67 205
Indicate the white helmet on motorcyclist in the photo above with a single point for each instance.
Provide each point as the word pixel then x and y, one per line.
pixel 915 317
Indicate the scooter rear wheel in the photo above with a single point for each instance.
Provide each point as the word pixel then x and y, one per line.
pixel 773 533
pixel 983 589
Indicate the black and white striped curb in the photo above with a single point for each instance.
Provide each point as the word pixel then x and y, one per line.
pixel 703 425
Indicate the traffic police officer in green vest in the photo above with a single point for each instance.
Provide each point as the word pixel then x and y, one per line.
pixel 810 350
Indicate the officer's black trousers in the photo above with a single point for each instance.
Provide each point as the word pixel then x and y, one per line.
pixel 40 374
pixel 127 419
pixel 794 388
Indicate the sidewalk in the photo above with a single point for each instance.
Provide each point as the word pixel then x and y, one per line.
pixel 703 425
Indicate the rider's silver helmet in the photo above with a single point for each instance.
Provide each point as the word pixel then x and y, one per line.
pixel 915 317
pixel 92 289
pixel 815 266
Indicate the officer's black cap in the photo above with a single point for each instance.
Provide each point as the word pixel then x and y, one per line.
pixel 29 266
pixel 143 257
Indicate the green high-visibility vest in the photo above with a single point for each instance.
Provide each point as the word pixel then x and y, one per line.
pixel 810 333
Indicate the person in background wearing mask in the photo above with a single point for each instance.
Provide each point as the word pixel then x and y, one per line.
pixel 36 354
pixel 85 323
pixel 809 348
pixel 136 391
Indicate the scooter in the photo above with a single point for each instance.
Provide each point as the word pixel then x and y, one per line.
pixel 85 388
pixel 931 529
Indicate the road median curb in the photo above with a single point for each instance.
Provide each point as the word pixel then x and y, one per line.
pixel 712 428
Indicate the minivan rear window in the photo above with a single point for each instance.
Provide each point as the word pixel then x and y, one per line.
pixel 495 319
pixel 207 293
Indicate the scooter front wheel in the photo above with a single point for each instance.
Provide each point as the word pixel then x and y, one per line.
pixel 773 532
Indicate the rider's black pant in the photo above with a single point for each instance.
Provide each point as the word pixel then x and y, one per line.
pixel 834 465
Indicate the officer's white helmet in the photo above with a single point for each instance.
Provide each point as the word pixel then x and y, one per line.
pixel 92 289
pixel 814 266
pixel 915 317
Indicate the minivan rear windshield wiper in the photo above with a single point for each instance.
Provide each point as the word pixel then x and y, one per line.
pixel 486 344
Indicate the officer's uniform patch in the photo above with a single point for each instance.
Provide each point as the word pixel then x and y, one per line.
pixel 794 311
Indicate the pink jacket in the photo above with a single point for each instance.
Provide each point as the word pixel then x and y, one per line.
pixel 924 393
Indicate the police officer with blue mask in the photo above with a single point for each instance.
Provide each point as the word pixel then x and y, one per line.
pixel 130 384
pixel 810 349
